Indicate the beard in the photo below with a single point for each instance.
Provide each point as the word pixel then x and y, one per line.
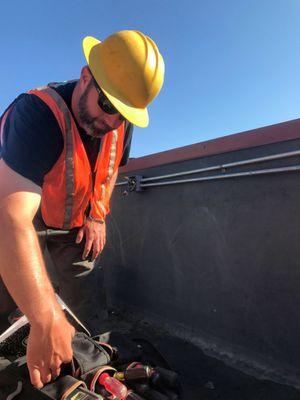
pixel 85 119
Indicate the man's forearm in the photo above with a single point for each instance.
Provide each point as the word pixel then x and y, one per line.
pixel 23 270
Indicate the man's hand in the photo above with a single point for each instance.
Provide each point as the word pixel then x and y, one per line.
pixel 49 346
pixel 95 238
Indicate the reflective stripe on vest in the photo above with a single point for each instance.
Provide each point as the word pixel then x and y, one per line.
pixel 111 167
pixel 69 154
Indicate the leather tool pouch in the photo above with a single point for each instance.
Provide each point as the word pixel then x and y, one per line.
pixel 68 388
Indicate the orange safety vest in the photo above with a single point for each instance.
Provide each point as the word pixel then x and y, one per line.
pixel 69 187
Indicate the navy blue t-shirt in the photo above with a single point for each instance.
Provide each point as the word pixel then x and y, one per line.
pixel 33 141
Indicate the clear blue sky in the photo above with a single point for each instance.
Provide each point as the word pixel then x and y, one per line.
pixel 231 65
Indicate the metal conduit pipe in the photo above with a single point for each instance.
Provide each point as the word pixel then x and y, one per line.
pixel 228 165
pixel 221 166
pixel 234 175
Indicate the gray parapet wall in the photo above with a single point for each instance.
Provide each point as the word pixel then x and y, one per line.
pixel 218 259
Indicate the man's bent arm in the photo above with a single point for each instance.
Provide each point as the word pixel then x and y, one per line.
pixel 21 263
pixel 24 274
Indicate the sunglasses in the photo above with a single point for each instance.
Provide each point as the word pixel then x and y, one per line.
pixel 104 103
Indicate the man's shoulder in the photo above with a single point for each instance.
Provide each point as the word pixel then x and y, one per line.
pixel 32 138
pixel 27 105
pixel 29 102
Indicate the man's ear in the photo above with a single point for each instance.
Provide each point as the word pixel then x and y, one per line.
pixel 85 75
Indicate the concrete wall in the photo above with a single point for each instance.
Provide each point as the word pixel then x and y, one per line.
pixel 220 258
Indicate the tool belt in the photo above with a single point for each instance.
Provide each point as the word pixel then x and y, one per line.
pixel 112 354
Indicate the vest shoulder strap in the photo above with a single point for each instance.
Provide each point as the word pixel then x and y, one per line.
pixel 55 101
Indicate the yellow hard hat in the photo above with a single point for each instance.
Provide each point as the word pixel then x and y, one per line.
pixel 129 69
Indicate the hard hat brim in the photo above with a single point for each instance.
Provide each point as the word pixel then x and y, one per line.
pixel 137 116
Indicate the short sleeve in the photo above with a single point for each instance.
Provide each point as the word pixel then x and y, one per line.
pixel 32 138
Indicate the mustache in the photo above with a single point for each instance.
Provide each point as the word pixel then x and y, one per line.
pixel 99 132
pixel 105 127
pixel 90 124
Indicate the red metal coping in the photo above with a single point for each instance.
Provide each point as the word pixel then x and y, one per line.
pixel 256 137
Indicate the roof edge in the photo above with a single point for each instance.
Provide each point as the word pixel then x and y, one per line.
pixel 280 132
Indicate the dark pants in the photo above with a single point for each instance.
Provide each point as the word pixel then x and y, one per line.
pixel 79 283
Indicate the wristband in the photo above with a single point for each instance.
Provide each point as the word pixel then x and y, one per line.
pixel 100 221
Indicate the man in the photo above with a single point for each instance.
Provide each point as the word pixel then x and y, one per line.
pixel 60 148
